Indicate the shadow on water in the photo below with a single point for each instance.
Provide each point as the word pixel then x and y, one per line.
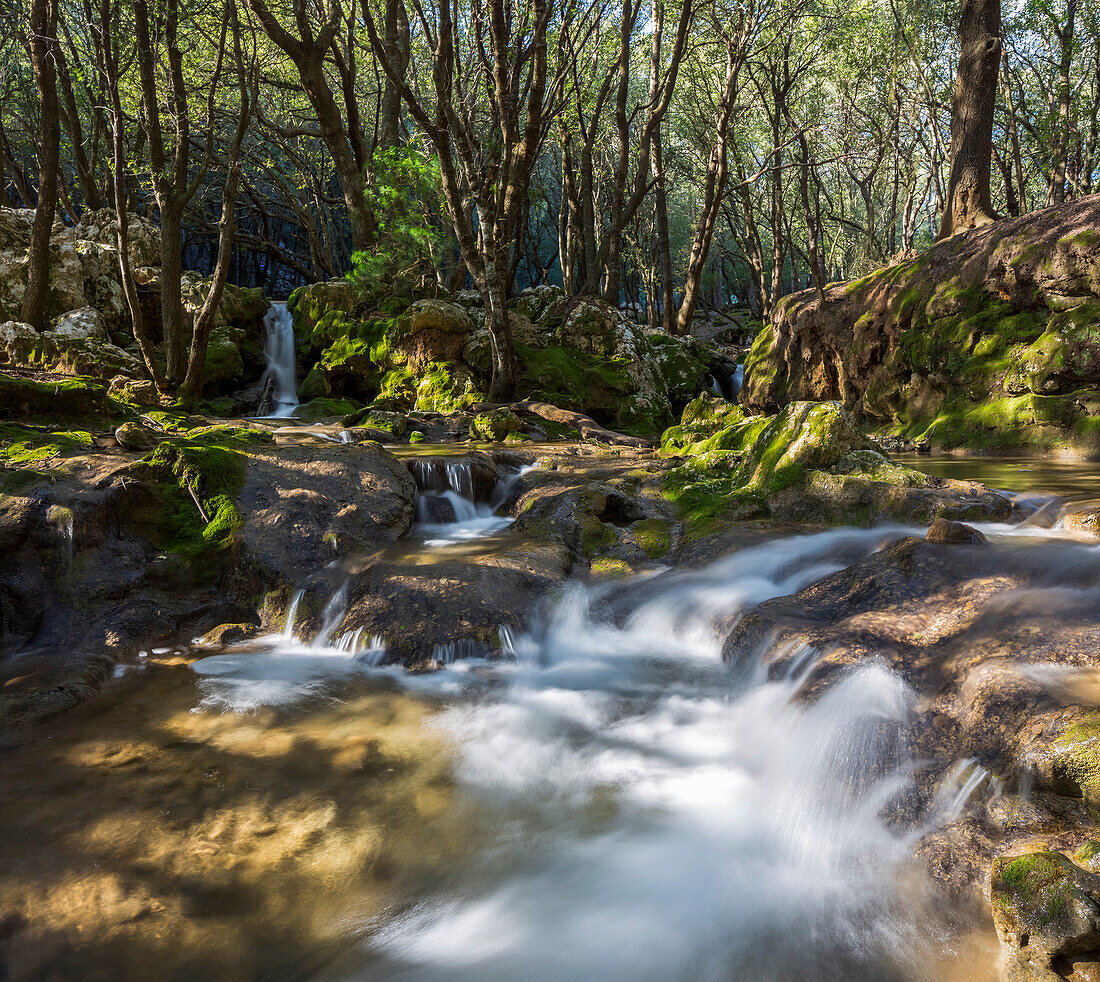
pixel 146 840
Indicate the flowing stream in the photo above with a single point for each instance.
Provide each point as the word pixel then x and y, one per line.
pixel 611 802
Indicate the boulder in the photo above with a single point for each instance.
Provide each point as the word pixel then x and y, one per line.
pixel 433 331
pixel 305 503
pixel 79 324
pixel 139 392
pixel 23 347
pixel 1082 518
pixel 943 530
pixel 453 608
pixel 1046 911
pixel 495 425
pixel 987 339
pixel 134 436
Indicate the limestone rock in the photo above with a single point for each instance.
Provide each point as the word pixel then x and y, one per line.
pixel 943 530
pixel 134 436
pixel 78 324
pixel 140 392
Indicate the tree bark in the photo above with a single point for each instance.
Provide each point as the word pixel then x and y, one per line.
pixel 43 42
pixel 968 202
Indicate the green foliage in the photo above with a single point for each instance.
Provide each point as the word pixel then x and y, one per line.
pixel 403 196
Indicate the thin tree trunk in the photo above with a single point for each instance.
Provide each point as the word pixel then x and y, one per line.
pixel 43 41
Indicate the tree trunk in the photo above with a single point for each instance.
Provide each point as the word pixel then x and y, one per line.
pixel 968 200
pixel 43 28
pixel 398 41
pixel 171 296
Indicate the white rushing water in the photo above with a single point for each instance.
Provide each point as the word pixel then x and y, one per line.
pixel 281 371
pixel 447 510
pixel 655 815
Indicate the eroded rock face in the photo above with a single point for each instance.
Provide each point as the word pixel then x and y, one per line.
pixel 986 339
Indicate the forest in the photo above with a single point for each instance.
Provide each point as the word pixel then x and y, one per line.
pixel 674 158
pixel 550 490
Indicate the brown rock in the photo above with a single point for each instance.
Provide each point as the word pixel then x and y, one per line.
pixel 134 436
pixel 943 530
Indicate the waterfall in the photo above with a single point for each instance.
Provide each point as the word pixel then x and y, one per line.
pixel 446 504
pixel 279 376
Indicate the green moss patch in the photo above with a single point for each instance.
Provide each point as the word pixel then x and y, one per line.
pixel 1037 888
pixel 21 445
pixel 195 488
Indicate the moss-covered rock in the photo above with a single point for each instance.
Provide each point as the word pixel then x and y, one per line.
pixel 68 353
pixel 325 408
pixel 27 399
pixel 1044 907
pixel 989 340
pixel 496 425
pixel 809 464
pixel 196 489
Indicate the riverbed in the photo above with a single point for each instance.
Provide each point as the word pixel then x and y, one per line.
pixel 611 802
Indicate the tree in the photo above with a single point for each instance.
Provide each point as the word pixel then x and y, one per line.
pixel 968 202
pixel 43 44
pixel 493 102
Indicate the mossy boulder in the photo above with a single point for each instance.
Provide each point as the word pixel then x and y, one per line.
pixel 809 464
pixel 1045 908
pixel 196 489
pixel 325 408
pixel 684 364
pixel 78 397
pixel 65 352
pixel 496 425
pixel 989 340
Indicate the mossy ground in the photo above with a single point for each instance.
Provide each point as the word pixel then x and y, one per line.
pixel 20 445
pixel 195 483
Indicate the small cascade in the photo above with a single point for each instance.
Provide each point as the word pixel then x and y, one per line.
pixel 452 651
pixel 291 615
pixel 728 386
pixel 961 783
pixel 279 379
pixel 331 616
pixel 447 504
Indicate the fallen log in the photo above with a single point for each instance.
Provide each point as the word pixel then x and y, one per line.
pixel 588 428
